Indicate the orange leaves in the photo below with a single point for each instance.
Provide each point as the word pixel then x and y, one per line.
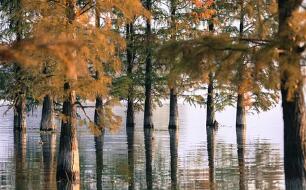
pixel 203 9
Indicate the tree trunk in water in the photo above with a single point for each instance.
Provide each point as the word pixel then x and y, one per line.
pixel 130 140
pixel 49 159
pixel 210 115
pixel 241 138
pixel 68 168
pixel 130 61
pixel 294 111
pixel 240 114
pixel 173 154
pixel 211 142
pixel 47 117
pixel 99 142
pixel 20 149
pixel 20 114
pixel 148 135
pixel 148 109
pixel 173 116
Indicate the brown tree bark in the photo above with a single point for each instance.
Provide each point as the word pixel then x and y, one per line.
pixel 210 114
pixel 68 168
pixel 148 109
pixel 47 115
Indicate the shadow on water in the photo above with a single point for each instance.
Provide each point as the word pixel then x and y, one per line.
pixel 173 133
pixel 99 141
pixel 49 159
pixel 241 139
pixel 20 151
pixel 211 146
pixel 148 138
pixel 130 141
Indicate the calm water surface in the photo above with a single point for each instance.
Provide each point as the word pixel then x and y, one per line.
pixel 191 158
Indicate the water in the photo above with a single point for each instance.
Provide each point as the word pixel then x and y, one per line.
pixel 189 159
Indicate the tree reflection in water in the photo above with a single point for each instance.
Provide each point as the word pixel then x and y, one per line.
pixel 99 141
pixel 173 133
pixel 211 144
pixel 130 142
pixel 241 138
pixel 20 151
pixel 148 138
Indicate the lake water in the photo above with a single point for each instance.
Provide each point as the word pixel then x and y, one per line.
pixel 160 159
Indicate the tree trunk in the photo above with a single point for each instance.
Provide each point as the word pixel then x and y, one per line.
pixel 294 111
pixel 241 138
pixel 68 168
pixel 20 114
pixel 99 114
pixel 210 115
pixel 49 159
pixel 240 114
pixel 173 154
pixel 130 61
pixel 173 115
pixel 20 149
pixel 99 141
pixel 130 140
pixel 148 135
pixel 148 109
pixel 47 115
pixel 211 142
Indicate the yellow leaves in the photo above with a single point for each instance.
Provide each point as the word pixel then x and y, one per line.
pixel 203 9
pixel 297 23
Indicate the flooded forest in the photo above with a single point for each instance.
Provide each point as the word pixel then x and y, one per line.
pixel 153 94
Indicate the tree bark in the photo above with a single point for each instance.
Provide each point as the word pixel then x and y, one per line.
pixel 47 115
pixel 174 156
pixel 210 115
pixel 148 135
pixel 130 116
pixel 130 141
pixel 148 109
pixel 173 112
pixel 240 113
pixel 294 111
pixel 20 114
pixel 68 168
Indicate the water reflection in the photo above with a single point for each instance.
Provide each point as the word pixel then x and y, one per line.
pixel 66 185
pixel 20 142
pixel 148 138
pixel 173 133
pixel 241 139
pixel 99 141
pixel 130 141
pixel 140 159
pixel 48 140
pixel 294 163
pixel 211 144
